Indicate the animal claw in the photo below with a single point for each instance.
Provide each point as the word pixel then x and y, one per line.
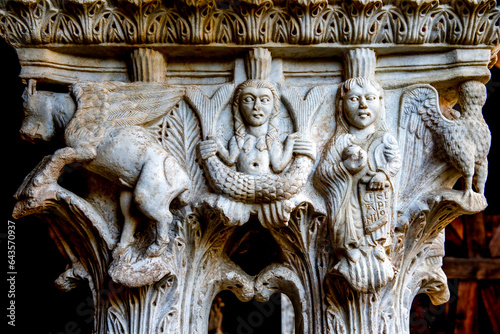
pixel 475 200
pixel 468 194
pixel 119 251
pixel 155 249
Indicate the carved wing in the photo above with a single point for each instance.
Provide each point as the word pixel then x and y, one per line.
pixel 140 103
pixel 420 120
pixel 117 103
pixel 104 105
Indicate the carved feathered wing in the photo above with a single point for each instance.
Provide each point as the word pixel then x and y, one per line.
pixel 105 105
pixel 420 122
pixel 140 103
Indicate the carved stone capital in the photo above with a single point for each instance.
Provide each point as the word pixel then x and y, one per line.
pixel 337 129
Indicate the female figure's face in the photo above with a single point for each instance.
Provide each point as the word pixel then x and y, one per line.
pixel 256 105
pixel 362 106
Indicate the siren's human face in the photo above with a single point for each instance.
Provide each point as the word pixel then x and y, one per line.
pixel 256 105
pixel 362 106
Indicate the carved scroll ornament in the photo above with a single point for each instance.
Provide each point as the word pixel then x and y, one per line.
pixel 349 165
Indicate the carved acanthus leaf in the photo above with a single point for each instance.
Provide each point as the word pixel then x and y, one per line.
pixel 180 135
pixel 252 22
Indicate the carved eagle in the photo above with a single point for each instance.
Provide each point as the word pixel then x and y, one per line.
pixel 463 142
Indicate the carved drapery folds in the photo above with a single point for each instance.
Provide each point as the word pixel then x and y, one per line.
pixel 309 117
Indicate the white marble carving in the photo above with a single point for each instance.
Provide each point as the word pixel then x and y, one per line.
pixel 315 127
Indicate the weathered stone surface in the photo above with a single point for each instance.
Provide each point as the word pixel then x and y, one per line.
pixel 341 127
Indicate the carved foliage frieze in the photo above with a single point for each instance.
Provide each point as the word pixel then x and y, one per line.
pixel 34 22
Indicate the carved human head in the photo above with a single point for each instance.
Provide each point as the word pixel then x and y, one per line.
pixel 359 103
pixel 256 102
pixel 256 105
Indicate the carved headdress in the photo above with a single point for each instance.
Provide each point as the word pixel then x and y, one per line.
pixel 359 63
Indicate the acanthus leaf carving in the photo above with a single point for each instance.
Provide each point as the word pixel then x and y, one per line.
pixel 253 22
pixel 180 135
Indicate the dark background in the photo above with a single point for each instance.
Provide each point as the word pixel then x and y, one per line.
pixel 42 308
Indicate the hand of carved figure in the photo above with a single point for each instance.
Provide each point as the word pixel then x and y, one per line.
pixel 376 180
pixel 207 148
pixel 304 147
pixel 389 153
pixel 466 140
pixel 280 155
pixel 292 138
pixel 101 135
